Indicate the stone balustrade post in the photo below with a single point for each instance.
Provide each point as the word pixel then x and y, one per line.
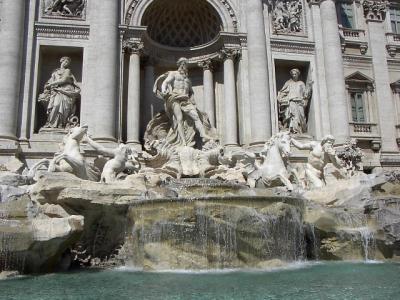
pixel 11 52
pixel 208 86
pixel 261 125
pixel 133 105
pixel 230 132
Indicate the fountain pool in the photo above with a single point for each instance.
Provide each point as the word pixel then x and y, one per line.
pixel 344 280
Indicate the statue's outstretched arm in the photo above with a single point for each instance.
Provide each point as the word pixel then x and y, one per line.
pixel 301 146
pixel 103 150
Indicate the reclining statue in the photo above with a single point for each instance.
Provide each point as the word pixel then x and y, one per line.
pixel 321 154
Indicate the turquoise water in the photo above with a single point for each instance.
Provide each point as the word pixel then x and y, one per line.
pixel 308 281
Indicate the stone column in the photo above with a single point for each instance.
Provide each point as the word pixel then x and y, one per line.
pixel 104 46
pixel 150 101
pixel 319 88
pixel 261 126
pixel 208 86
pixel 334 74
pixel 230 132
pixel 11 52
pixel 377 42
pixel 133 105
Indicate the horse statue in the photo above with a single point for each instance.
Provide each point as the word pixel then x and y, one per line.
pixel 273 171
pixel 70 159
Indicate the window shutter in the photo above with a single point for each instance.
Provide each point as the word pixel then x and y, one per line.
pixel 353 108
pixel 360 108
pixel 395 20
pixel 357 107
pixel 347 15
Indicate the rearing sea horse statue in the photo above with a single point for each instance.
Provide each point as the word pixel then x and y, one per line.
pixel 70 159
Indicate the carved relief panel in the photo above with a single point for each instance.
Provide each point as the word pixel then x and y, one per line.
pixel 75 9
pixel 287 16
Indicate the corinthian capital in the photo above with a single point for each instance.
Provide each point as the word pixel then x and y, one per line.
pixel 132 47
pixel 375 10
pixel 229 53
pixel 206 64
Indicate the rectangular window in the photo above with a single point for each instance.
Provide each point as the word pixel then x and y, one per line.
pixel 346 15
pixel 357 107
pixel 395 20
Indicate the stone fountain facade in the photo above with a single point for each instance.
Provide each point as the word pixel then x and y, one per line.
pixel 198 133
pixel 240 56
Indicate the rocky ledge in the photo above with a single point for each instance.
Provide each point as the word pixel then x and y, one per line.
pixel 61 221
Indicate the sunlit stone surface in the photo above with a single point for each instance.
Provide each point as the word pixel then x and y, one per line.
pixel 198 135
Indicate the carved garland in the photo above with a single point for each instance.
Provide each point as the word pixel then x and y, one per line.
pixel 228 6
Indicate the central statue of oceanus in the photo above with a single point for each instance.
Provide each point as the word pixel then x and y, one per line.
pixel 181 119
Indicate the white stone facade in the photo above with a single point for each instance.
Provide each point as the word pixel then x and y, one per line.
pixel 240 54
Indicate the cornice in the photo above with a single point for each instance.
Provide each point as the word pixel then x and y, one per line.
pixel 47 30
pixel 291 46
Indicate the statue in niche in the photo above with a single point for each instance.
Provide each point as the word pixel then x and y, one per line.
pixel 65 7
pixel 321 154
pixel 59 97
pixel 292 101
pixel 181 119
pixel 286 16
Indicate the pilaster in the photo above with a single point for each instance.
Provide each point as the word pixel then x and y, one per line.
pixel 334 74
pixel 375 12
pixel 100 107
pixel 11 53
pixel 261 124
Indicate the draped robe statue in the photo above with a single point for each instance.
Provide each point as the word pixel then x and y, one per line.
pixel 60 95
pixel 292 101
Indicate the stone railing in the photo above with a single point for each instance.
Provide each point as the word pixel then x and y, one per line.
pixel 357 34
pixel 364 129
pixel 353 38
pixel 393 38
pixel 393 43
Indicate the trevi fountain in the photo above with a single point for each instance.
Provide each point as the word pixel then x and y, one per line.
pixel 199 149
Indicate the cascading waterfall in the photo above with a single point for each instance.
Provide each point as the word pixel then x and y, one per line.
pixel 356 224
pixel 9 258
pixel 368 242
pixel 215 231
pixel 314 242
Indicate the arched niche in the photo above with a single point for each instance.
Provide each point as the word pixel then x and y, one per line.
pixel 181 24
pixel 136 9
